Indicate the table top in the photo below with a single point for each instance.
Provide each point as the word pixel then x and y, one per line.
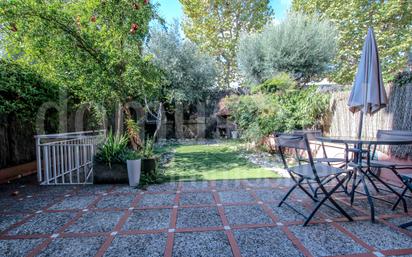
pixel 364 140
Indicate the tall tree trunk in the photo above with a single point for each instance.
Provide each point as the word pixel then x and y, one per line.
pixel 119 120
pixel 158 121
pixel 132 130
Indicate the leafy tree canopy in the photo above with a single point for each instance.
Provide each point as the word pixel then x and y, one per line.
pixel 216 25
pixel 390 19
pixel 91 47
pixel 189 74
pixel 300 45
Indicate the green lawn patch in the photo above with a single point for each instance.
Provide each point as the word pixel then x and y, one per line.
pixel 213 162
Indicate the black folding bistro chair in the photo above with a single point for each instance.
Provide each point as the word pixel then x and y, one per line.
pixel 331 161
pixel 393 166
pixel 310 172
pixel 407 180
pixel 311 135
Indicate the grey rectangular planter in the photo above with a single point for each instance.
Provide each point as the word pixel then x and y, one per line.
pixel 116 174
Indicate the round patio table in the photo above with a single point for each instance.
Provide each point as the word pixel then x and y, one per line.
pixel 364 171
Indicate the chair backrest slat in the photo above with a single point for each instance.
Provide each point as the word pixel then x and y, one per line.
pixel 296 142
pixel 292 141
pixel 394 134
pixel 310 134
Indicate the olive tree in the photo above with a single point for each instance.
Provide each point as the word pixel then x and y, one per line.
pixel 300 45
pixel 188 74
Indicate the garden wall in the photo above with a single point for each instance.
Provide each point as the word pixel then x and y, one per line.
pixel 397 115
pixel 16 142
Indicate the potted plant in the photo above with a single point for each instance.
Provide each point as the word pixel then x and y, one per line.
pixel 110 160
pixel 134 168
pixel 148 160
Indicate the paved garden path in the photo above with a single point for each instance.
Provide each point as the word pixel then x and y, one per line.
pixel 214 218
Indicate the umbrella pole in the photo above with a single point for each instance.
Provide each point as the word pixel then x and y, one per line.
pixel 360 125
pixel 358 155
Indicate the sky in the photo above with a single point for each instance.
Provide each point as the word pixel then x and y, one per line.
pixel 172 9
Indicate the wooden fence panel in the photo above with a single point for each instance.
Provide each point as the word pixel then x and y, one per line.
pixel 397 115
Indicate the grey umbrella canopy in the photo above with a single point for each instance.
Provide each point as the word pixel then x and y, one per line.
pixel 368 93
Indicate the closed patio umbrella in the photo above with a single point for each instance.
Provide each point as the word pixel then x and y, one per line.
pixel 368 93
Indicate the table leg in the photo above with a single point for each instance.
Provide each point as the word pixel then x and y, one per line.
pixel 354 186
pixel 370 200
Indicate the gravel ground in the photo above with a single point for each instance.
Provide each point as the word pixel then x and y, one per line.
pixel 96 222
pixel 73 247
pixel 74 202
pixel 204 244
pixel 159 223
pixel 379 235
pixel 43 223
pixel 325 240
pixel 236 197
pixel 265 242
pixel 137 245
pixel 198 217
pixel 253 214
pixel 18 247
pixel 157 200
pixel 196 198
pixel 115 201
pixel 148 220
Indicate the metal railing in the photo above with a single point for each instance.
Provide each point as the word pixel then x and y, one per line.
pixel 66 158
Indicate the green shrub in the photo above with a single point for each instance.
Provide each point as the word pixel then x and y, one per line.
pixel 113 150
pixel 402 78
pixel 23 91
pixel 259 115
pixel 280 83
pixel 148 149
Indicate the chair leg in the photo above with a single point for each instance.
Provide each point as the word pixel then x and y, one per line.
pixel 312 189
pixel 406 225
pixel 290 191
pixel 307 193
pixel 408 185
pixel 342 211
pixel 400 196
pixel 328 197
pixel 346 186
pixel 373 183
pixel 325 181
pixel 315 210
pixel 347 183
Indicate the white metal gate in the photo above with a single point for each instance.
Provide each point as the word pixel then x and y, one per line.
pixel 66 158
